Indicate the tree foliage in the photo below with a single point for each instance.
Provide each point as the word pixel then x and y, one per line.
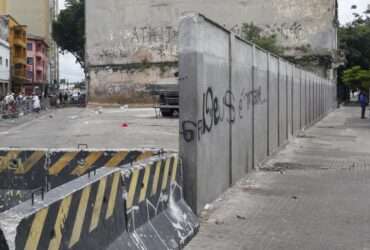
pixel 354 39
pixel 357 78
pixel 69 30
pixel 254 34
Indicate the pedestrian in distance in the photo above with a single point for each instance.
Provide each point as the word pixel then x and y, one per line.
pixel 36 105
pixel 364 102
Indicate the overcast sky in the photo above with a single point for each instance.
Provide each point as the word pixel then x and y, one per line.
pixel 73 72
pixel 69 69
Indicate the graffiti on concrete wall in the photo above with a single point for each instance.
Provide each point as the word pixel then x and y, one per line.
pixel 219 109
pixel 151 35
pixel 149 40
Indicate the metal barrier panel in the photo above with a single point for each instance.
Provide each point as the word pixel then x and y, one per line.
pixel 243 92
pixel 260 107
pixel 273 102
pixel 283 103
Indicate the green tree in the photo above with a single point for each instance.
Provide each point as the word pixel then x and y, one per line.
pixel 253 33
pixel 356 78
pixel 69 30
pixel 354 41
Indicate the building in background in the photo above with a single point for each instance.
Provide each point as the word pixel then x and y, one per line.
pixel 130 44
pixel 37 64
pixel 4 58
pixel 17 38
pixel 38 16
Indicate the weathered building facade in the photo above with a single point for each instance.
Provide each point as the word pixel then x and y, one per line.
pixel 132 43
pixel 37 64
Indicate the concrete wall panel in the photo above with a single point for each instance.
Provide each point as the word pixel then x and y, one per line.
pixel 290 99
pixel 241 86
pixel 283 103
pixel 237 105
pixel 273 102
pixel 205 122
pixel 296 100
pixel 303 99
pixel 260 106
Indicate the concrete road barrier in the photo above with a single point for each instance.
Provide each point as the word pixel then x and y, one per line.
pixel 84 214
pixel 26 171
pixel 64 166
pixel 157 215
pixel 137 207
pixel 23 169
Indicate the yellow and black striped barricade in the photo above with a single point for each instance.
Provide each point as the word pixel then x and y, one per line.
pixel 85 214
pixel 157 215
pixel 22 169
pixel 66 165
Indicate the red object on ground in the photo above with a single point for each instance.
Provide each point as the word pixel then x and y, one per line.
pixel 125 125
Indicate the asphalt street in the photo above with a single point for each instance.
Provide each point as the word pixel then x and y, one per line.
pixel 100 128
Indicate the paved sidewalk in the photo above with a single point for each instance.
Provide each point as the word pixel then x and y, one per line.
pixel 315 194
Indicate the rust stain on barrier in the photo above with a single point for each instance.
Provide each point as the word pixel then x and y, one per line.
pixel 10 161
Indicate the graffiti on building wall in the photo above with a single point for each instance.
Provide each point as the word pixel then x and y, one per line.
pixel 152 35
pixel 154 42
pixel 159 42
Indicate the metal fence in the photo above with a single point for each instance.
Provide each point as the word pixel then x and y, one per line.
pixel 19 108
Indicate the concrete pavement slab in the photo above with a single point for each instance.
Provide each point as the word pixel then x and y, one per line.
pixel 311 195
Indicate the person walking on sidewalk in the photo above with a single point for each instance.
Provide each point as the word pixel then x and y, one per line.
pixel 364 101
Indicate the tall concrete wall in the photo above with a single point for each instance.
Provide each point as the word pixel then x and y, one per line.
pixel 239 104
pixel 137 39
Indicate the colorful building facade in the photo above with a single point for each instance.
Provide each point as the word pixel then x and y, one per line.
pixel 37 64
pixel 17 39
pixel 4 59
pixel 38 15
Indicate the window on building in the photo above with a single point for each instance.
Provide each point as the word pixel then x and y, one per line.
pixel 29 60
pixel 29 46
pixel 7 62
pixel 29 74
